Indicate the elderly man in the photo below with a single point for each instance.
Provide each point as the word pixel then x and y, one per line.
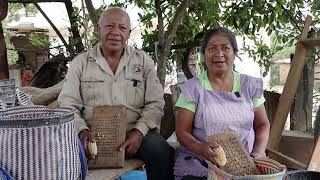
pixel 113 73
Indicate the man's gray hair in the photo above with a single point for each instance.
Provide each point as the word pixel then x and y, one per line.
pixel 110 9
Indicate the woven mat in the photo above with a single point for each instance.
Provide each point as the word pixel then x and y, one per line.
pixel 110 124
pixel 239 162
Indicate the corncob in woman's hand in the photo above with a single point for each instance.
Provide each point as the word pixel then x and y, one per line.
pixel 221 158
pixel 93 150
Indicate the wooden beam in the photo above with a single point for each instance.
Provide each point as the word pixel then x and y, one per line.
pixel 285 160
pixel 289 89
pixel 4 69
pixel 297 145
pixel 314 164
pixel 34 1
pixel 310 42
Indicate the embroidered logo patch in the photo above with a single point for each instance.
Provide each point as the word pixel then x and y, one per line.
pixel 137 69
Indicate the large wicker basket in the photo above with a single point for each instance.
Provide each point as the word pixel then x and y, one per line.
pixel 38 142
pixel 268 170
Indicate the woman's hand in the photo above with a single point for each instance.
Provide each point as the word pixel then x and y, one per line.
pixel 184 124
pixel 258 155
pixel 207 151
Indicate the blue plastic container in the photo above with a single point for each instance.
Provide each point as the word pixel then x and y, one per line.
pixel 133 175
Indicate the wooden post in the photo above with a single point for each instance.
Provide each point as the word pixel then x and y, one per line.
pixel 314 164
pixel 4 69
pixel 289 90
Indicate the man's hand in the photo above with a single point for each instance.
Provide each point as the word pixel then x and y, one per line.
pixel 132 143
pixel 86 137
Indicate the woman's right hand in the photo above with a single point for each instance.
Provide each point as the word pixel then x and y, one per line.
pixel 207 151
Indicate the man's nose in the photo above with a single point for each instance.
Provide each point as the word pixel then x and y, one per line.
pixel 115 30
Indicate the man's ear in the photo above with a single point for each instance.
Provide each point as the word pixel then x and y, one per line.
pixel 98 27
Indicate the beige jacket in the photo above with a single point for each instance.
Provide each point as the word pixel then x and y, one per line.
pixel 90 82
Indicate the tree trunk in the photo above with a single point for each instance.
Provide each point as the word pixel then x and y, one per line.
pixel 301 111
pixel 162 68
pixel 166 38
pixel 185 63
pixel 74 28
pixel 4 70
pixel 92 14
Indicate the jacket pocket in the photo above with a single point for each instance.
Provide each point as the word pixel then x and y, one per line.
pixel 135 92
pixel 89 86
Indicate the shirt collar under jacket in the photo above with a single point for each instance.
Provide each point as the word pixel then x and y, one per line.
pixel 207 85
pixel 96 55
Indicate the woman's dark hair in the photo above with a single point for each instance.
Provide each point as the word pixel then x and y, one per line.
pixel 230 35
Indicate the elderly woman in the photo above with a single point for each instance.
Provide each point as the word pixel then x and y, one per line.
pixel 218 101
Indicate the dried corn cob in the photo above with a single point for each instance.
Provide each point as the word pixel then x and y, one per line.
pixel 221 158
pixel 93 150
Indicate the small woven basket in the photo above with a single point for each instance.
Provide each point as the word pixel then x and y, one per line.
pixel 268 169
pixel 38 142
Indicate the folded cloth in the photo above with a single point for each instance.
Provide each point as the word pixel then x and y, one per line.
pixel 83 160
pixel 4 175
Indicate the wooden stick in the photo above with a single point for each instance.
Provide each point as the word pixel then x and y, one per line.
pixel 289 90
pixel 285 160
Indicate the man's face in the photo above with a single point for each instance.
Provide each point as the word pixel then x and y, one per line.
pixel 114 31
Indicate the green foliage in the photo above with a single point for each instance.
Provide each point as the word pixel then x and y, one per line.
pixel 39 41
pixel 275 75
pixel 14 9
pixel 282 18
pixel 199 17
pixel 11 53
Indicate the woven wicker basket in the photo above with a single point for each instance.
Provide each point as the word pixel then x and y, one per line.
pixel 268 170
pixel 38 142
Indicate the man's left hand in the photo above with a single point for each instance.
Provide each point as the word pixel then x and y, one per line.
pixel 132 143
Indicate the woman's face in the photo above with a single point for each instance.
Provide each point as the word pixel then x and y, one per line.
pixel 219 54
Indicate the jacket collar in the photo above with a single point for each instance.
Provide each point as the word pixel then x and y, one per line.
pixel 95 54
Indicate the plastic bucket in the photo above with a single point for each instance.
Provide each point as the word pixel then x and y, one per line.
pixel 301 174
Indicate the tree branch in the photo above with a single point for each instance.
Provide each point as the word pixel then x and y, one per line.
pixel 177 47
pixel 160 23
pixel 292 19
pixel 74 28
pixel 92 13
pixel 34 1
pixel 173 26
